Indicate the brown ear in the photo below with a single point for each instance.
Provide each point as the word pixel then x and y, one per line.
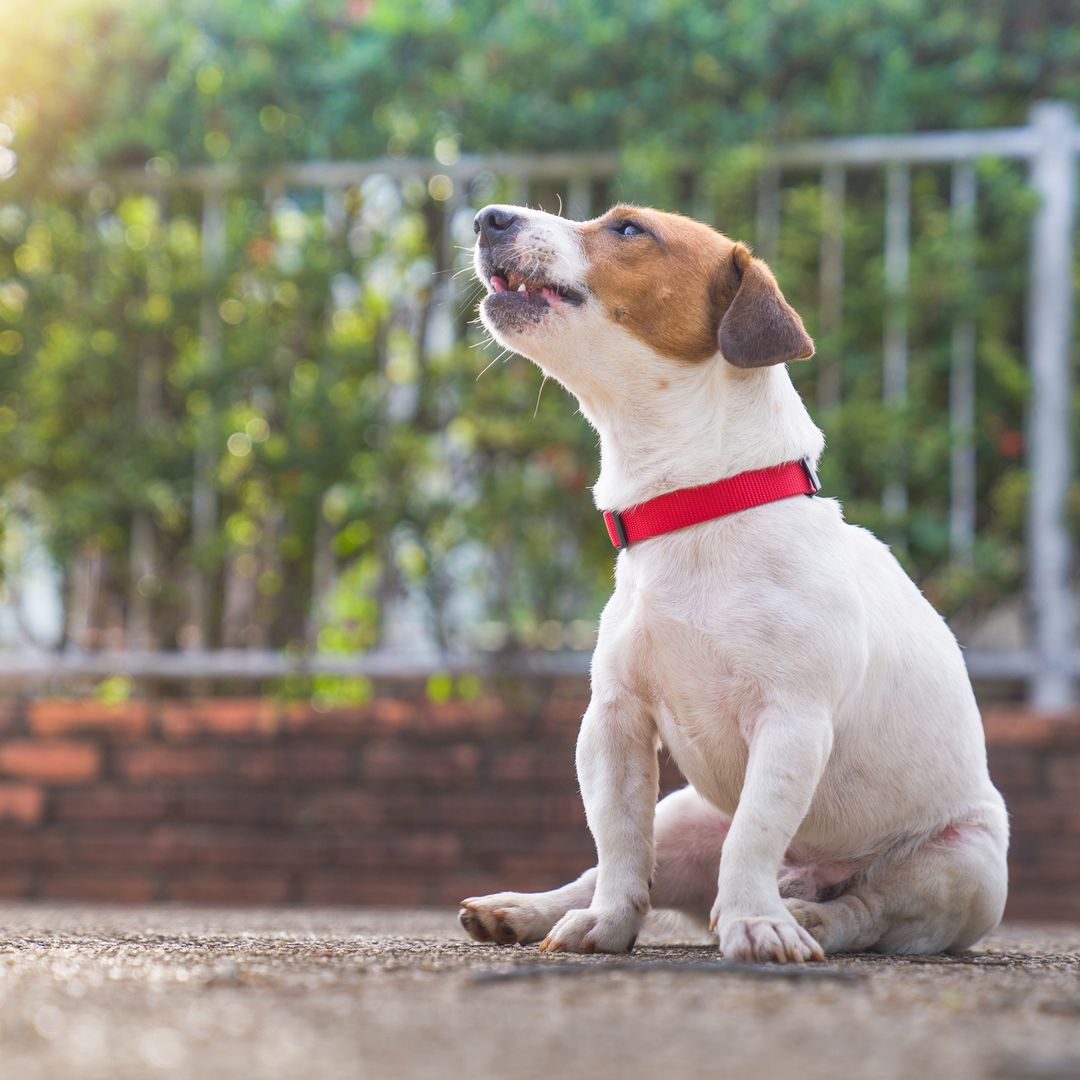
pixel 759 327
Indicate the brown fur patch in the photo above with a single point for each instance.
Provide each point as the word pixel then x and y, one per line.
pixel 660 286
pixel 686 290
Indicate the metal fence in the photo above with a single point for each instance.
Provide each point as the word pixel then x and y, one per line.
pixel 1049 144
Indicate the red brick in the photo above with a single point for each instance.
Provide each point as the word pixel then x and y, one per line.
pixel 495 810
pixel 481 718
pixel 535 764
pixel 563 715
pixel 220 716
pixel 378 888
pixel 144 764
pixel 671 779
pixel 542 872
pixel 231 846
pixel 111 804
pixel 89 885
pixel 343 806
pixel 305 719
pixel 396 763
pixel 1063 773
pixel 1032 818
pixel 1031 729
pixel 21 803
pixel 424 850
pixel 15 885
pixel 66 716
pixel 490 845
pixel 1038 902
pixel 393 712
pixel 229 805
pixel 1061 869
pixel 450 891
pixel 296 761
pixel 36 848
pixel 11 712
pixel 1014 769
pixel 125 848
pixel 229 888
pixel 52 760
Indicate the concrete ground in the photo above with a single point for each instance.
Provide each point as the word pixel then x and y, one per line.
pixel 117 993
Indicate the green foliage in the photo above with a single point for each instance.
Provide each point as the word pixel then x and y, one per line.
pixel 183 81
pixel 353 455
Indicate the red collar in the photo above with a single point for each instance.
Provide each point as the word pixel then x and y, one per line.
pixel 689 506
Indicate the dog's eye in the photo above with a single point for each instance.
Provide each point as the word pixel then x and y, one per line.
pixel 628 228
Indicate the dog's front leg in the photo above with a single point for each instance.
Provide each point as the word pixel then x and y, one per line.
pixel 787 756
pixel 618 773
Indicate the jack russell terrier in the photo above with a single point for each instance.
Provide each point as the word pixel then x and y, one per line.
pixel 819 707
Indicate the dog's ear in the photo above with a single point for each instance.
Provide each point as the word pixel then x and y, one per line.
pixel 759 326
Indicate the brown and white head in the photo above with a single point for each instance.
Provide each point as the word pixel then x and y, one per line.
pixel 646 317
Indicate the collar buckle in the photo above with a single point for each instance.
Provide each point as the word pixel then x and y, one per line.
pixel 812 476
pixel 617 529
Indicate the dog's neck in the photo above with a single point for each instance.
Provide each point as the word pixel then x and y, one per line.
pixel 712 422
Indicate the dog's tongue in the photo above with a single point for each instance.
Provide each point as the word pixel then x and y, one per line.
pixel 551 296
pixel 499 284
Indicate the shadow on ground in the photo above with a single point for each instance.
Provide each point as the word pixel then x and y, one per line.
pixel 122 993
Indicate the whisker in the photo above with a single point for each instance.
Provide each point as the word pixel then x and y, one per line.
pixel 488 340
pixel 492 364
pixel 558 195
pixel 465 305
pixel 543 383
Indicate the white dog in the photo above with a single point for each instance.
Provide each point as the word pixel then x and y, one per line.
pixel 815 701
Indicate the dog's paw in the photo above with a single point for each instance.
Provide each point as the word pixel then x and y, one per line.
pixel 588 931
pixel 506 918
pixel 767 938
pixel 809 915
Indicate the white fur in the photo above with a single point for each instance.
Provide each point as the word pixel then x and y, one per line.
pixel 815 701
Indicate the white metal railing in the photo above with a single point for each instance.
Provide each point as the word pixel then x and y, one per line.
pixel 1049 144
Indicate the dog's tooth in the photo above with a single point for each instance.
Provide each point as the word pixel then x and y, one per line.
pixel 521 288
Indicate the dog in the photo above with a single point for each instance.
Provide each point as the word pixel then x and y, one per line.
pixel 819 707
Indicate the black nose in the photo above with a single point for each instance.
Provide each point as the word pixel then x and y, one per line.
pixel 494 222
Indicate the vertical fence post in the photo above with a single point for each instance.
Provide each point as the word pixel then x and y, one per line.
pixel 139 630
pixel 204 490
pixel 578 198
pixel 767 232
pixel 702 204
pixel 831 277
pixel 1049 317
pixel 962 375
pixel 895 346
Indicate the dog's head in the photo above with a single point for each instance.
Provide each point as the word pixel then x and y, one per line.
pixel 591 302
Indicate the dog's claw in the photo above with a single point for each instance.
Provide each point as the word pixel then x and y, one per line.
pixel 765 939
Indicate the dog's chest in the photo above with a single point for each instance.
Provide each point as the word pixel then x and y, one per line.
pixel 700 712
pixel 687 655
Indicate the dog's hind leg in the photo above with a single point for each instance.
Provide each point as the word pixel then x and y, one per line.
pixel 944 895
pixel 689 835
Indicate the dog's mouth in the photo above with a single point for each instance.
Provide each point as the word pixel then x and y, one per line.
pixel 512 287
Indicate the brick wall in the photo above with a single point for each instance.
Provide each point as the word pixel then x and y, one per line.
pixel 398 801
